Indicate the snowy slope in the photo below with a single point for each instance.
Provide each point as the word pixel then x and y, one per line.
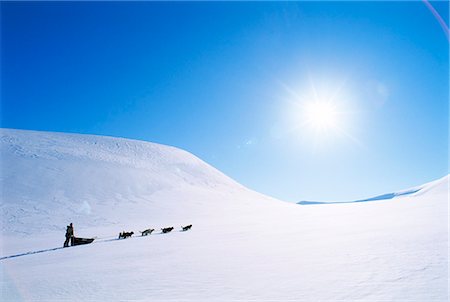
pixel 51 179
pixel 243 246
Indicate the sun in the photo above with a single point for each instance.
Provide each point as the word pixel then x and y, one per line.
pixel 321 115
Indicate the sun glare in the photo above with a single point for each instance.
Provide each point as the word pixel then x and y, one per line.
pixel 321 115
pixel 321 112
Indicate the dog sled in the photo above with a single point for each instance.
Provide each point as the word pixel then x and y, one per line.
pixel 80 241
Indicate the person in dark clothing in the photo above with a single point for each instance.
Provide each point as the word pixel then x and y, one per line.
pixel 69 235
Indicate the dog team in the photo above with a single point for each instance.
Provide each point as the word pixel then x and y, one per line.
pixel 124 234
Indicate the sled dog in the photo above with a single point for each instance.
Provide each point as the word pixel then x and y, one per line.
pixel 125 234
pixel 147 232
pixel 167 230
pixel 185 228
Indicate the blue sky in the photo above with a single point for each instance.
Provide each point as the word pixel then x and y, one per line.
pixel 230 82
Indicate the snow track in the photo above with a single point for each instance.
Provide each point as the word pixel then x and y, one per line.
pixel 97 241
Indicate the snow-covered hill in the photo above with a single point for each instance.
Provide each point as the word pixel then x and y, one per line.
pixel 437 184
pixel 243 246
pixel 51 179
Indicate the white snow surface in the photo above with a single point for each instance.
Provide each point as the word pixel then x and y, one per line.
pixel 243 246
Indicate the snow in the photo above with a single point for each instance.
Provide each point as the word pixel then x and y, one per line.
pixel 243 246
pixel 410 191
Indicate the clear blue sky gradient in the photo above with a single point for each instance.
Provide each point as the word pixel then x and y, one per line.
pixel 225 80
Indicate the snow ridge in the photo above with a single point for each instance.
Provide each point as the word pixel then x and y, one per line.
pixel 439 184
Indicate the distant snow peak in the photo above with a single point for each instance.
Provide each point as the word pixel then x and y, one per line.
pixel 440 184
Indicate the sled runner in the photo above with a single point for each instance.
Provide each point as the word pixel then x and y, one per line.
pixel 80 241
